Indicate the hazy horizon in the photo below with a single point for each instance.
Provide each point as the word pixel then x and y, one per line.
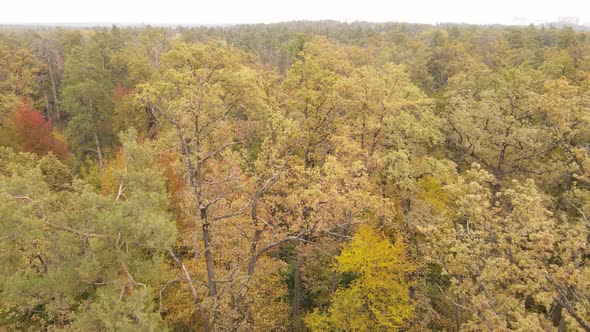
pixel 230 12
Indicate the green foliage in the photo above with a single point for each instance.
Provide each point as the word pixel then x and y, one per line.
pixel 67 246
pixel 109 313
pixel 86 99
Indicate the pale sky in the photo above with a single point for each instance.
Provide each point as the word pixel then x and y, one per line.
pixel 268 11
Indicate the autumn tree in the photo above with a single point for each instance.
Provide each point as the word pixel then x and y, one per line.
pixel 378 297
pixel 495 120
pixel 207 93
pixel 36 134
pixel 19 70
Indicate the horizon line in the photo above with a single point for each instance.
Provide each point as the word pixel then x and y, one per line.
pixel 219 24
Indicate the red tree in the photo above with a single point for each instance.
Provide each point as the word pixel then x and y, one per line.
pixel 35 133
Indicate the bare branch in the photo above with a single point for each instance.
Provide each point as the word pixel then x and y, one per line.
pixel 233 214
pixel 227 179
pixel 222 195
pixel 189 282
pixel 95 283
pixel 581 213
pixel 255 256
pixel 563 300
pixel 11 236
pixel 337 234
pixel 120 191
pixel 69 229
pixel 298 237
pixel 25 197
pixel 168 283
pixel 131 277
pixel 218 150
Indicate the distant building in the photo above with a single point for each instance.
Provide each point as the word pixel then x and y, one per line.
pixel 573 20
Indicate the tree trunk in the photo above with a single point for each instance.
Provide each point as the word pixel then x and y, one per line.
pixel 457 318
pixel 98 151
pixel 54 90
pixel 208 254
pixel 151 123
pixel 583 324
pixel 46 112
pixel 334 284
pixel 297 288
pixel 556 314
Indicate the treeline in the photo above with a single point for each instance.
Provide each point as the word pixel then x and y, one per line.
pixel 297 176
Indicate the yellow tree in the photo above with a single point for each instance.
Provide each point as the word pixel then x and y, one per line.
pixel 19 70
pixel 378 298
pixel 565 108
pixel 211 98
pixel 495 250
pixel 495 119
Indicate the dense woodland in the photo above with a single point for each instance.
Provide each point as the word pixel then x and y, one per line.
pixel 304 176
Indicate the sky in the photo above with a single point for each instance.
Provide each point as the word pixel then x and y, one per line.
pixel 269 11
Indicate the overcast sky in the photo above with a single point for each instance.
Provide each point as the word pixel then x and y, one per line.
pixel 267 11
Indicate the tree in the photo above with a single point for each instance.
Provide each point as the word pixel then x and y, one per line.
pixel 498 251
pixel 50 50
pixel 207 94
pixel 378 297
pixel 87 101
pixel 18 78
pixel 495 120
pixel 311 97
pixel 68 250
pixel 36 134
pixel 323 175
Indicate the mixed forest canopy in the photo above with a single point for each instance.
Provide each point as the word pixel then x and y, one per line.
pixel 303 176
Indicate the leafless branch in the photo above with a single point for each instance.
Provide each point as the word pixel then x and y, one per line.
pixel 120 191
pixel 581 213
pixel 69 229
pixel 133 279
pixel 189 282
pixel 218 150
pixel 168 283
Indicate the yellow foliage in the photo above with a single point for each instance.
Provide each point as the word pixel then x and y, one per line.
pixel 379 298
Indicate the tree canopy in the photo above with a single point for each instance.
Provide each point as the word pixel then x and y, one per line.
pixel 302 176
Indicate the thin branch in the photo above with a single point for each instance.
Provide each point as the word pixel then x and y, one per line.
pixel 120 191
pixel 11 236
pixel 233 214
pixel 266 223
pixel 298 237
pixel 227 179
pixel 337 234
pixel 170 282
pixel 69 229
pixel 189 282
pixel 563 300
pixel 218 150
pixel 133 279
pixel 25 197
pixel 254 197
pixel 581 212
pixel 450 299
pixel 95 283
pixel 222 195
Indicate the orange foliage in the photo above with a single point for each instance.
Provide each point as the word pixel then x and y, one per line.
pixel 121 92
pixel 35 133
pixel 176 186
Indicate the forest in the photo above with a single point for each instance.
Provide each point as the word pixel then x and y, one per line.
pixel 299 176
